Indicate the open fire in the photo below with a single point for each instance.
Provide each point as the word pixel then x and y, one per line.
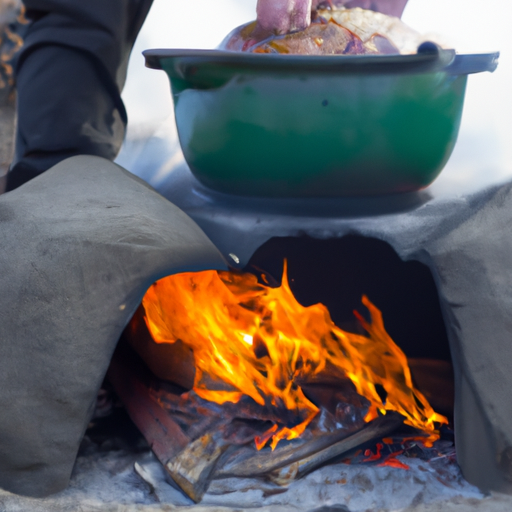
pixel 253 341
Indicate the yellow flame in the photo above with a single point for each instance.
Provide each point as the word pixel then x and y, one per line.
pixel 256 340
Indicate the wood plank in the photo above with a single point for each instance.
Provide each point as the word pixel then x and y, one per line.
pixel 131 381
pixel 193 467
pixel 173 362
pixel 310 453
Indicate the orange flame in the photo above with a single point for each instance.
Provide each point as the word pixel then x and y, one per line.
pixel 251 339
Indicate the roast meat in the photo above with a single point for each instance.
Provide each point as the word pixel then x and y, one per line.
pixel 329 30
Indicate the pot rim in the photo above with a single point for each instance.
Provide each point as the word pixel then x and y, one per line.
pixel 430 58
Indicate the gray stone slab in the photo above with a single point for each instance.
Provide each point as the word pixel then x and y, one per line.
pixel 79 246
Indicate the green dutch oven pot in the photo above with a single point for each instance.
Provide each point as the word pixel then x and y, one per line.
pixel 317 126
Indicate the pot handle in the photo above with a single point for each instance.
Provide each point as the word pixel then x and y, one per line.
pixel 455 64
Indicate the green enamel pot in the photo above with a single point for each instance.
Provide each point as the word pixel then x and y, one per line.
pixel 317 126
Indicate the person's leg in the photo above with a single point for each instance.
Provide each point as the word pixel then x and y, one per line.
pixel 64 109
pixel 70 74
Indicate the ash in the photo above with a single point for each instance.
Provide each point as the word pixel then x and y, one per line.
pixel 116 471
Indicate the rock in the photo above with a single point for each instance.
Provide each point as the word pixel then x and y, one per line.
pixel 471 262
pixel 80 245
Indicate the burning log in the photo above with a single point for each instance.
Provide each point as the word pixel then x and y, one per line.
pixel 260 343
pixel 202 460
pixel 377 428
pixel 198 441
pixel 263 370
pixel 311 454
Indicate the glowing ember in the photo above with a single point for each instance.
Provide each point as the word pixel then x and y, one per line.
pixel 254 340
pixel 392 461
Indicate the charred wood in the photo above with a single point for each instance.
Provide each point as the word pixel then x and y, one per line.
pixel 307 454
pixel 192 468
pixel 131 381
pixel 380 427
pixel 173 362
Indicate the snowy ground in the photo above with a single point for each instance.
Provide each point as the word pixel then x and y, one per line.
pixel 115 471
pixel 107 481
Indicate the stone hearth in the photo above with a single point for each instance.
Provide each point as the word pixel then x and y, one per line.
pixel 79 269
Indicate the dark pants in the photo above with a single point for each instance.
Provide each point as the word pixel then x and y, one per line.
pixel 70 74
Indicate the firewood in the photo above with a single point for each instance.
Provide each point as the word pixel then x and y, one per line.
pixel 173 362
pixel 378 428
pixel 192 468
pixel 199 410
pixel 309 454
pixel 192 461
pixel 132 383
pixel 284 476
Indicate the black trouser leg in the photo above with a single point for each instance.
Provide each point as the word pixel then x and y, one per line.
pixel 70 74
pixel 63 111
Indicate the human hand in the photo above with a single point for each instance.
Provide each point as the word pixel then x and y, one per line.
pixel 283 16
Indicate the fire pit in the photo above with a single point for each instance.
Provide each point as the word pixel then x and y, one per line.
pixel 193 461
pixel 265 371
pixel 418 227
